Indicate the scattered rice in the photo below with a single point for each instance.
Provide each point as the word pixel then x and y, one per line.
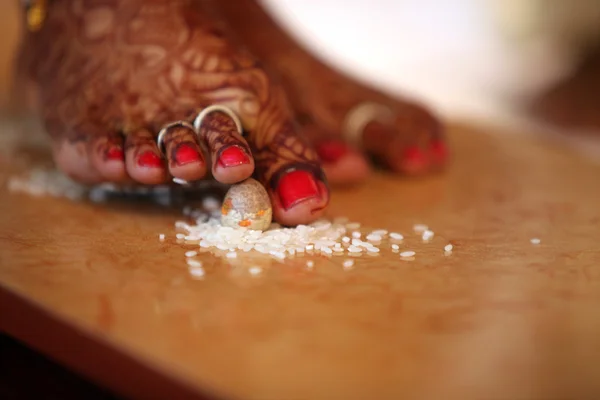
pixel 346 239
pixel 322 235
pixel 197 272
pixel 354 249
pixel 161 237
pixel 255 270
pixel 194 263
pixel 396 236
pixel 49 182
pixel 380 232
pixel 211 204
pixel 356 235
pixel 407 254
pixel 357 242
pixel 372 249
pixel 191 253
pixel 180 236
pixel 373 237
pixel 180 181
pixel 232 254
pixel 448 247
pixel 419 228
pixel 277 254
pixel 310 264
pixel 348 263
pixel 535 241
pixel 395 247
pixel 427 235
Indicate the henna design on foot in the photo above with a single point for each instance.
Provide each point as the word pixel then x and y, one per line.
pixel 112 73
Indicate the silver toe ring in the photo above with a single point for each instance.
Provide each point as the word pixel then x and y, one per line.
pixel 161 135
pixel 360 116
pixel 202 114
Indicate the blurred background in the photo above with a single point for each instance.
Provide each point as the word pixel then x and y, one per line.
pixel 499 61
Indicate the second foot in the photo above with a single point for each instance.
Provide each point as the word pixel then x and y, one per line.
pixel 348 122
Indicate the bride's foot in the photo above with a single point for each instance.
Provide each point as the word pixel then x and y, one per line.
pixel 344 119
pixel 111 75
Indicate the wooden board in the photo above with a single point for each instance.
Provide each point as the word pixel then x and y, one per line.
pixel 502 318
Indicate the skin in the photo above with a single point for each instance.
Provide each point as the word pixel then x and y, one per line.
pixel 322 97
pixel 111 74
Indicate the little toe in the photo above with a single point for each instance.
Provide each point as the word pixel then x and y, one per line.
pixel 143 160
pixel 107 156
pixel 230 154
pixel 341 163
pixel 72 158
pixel 184 154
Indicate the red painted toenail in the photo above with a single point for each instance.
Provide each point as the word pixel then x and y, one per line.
pixel 439 150
pixel 331 151
pixel 295 187
pixel 233 156
pixel 150 159
pixel 186 154
pixel 414 155
pixel 115 153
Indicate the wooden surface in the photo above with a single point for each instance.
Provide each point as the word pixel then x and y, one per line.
pixel 10 26
pixel 500 318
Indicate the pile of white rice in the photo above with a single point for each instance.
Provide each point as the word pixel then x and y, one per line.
pixel 338 237
pixel 47 182
pixel 329 238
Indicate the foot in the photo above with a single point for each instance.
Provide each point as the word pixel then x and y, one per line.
pixel 112 75
pixel 572 103
pixel 344 119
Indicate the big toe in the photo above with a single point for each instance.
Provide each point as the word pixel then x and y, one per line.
pixel 299 196
pixel 289 169
pixel 413 145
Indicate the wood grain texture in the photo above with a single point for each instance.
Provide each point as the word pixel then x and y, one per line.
pixel 500 318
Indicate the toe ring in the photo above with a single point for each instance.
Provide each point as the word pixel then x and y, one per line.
pixel 360 116
pixel 161 135
pixel 217 108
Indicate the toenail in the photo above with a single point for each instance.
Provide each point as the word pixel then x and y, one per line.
pixel 150 159
pixel 232 156
pixel 331 151
pixel 115 153
pixel 413 155
pixel 295 187
pixel 439 150
pixel 186 154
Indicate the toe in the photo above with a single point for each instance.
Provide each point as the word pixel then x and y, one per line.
pixel 341 163
pixel 439 153
pixel 184 154
pixel 107 156
pixel 143 160
pixel 230 154
pixel 72 158
pixel 414 145
pixel 289 168
pixel 299 195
